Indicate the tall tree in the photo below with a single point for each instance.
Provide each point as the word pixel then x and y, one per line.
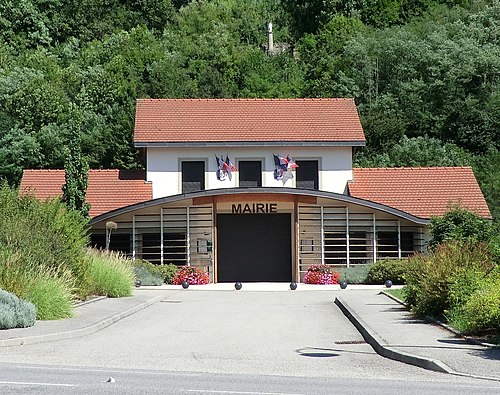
pixel 76 171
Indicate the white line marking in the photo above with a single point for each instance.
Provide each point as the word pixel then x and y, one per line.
pixel 30 383
pixel 244 392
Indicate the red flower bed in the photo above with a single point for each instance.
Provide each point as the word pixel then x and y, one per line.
pixel 321 274
pixel 192 275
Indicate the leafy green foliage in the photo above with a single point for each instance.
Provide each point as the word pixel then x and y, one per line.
pixel 459 225
pixel 481 312
pixel 43 231
pixel 429 278
pixel 15 312
pixel 167 272
pixel 387 269
pixel 413 152
pixel 423 73
pixel 76 171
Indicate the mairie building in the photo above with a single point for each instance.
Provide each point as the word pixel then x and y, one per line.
pixel 260 189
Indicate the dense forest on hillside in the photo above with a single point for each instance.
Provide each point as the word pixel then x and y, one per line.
pixel 424 73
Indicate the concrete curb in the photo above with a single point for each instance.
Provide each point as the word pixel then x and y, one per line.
pixel 19 341
pixel 380 348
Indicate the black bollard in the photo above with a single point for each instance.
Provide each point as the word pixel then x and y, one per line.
pixel 237 285
pixel 293 285
pixel 343 284
pixel 138 283
pixel 388 283
pixel 185 284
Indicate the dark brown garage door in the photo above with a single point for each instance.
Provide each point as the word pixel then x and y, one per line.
pixel 253 247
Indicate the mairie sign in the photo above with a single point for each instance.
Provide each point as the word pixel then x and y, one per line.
pixel 254 208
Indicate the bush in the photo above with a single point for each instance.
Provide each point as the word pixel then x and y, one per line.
pixel 147 273
pixel 321 274
pixel 15 312
pixel 466 282
pixel 52 236
pixel 109 274
pixel 388 269
pixel 167 272
pixel 429 278
pixel 355 274
pixel 460 225
pixel 192 275
pixel 481 312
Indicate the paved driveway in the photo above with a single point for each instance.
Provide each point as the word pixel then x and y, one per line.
pixel 275 333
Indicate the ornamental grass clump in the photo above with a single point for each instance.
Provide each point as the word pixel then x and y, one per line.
pixel 50 290
pixel 193 275
pixel 109 274
pixel 321 274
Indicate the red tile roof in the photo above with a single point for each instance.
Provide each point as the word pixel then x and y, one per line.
pixel 107 189
pixel 421 191
pixel 252 120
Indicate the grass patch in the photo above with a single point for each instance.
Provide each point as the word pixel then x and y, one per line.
pixel 397 293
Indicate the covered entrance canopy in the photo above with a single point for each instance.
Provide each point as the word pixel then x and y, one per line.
pixel 262 234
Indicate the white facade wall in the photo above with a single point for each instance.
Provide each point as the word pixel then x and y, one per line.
pixel 164 166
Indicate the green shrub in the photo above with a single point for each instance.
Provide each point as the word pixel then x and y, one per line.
pixel 466 282
pixel 429 278
pixel 109 274
pixel 15 312
pixel 482 310
pixel 355 274
pixel 51 235
pixel 167 272
pixel 147 273
pixel 388 269
pixel 460 225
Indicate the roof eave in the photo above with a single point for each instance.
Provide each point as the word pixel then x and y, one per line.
pixel 279 191
pixel 177 144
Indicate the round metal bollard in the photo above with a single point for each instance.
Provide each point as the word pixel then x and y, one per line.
pixel 388 283
pixel 138 283
pixel 343 284
pixel 185 284
pixel 237 285
pixel 293 285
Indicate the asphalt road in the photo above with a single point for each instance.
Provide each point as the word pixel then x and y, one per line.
pixel 216 342
pixel 29 379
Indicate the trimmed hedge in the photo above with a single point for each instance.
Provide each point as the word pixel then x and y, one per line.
pixel 15 312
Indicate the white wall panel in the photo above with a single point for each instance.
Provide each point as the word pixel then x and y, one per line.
pixel 163 166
